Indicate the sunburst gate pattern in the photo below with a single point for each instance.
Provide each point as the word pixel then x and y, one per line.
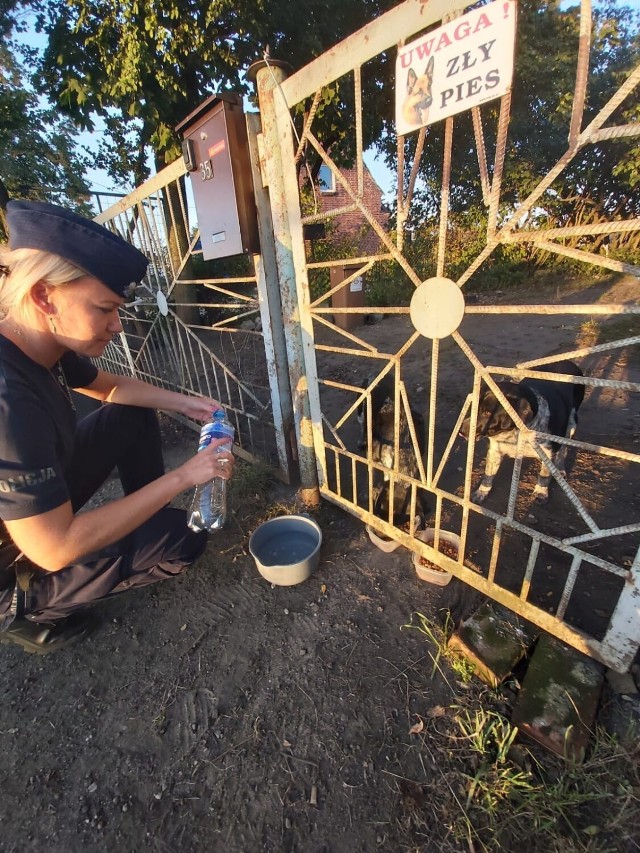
pixel 445 345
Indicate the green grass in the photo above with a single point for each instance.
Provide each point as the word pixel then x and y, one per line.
pixel 593 332
pixel 617 330
pixel 251 484
pixel 438 636
pixel 538 799
pixel 497 795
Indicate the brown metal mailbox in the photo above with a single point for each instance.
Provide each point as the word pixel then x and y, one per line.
pixel 216 154
pixel 350 296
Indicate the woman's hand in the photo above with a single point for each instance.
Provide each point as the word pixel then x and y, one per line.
pixel 58 538
pixel 199 408
pixel 212 461
pixel 134 392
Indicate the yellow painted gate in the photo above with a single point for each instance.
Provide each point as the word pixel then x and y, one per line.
pixel 570 566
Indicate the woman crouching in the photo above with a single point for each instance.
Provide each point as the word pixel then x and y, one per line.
pixel 63 279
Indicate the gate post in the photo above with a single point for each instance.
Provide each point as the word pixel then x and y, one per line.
pixel 290 259
pixel 271 310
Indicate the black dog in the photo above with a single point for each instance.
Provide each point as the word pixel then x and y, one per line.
pixel 383 444
pixel 544 406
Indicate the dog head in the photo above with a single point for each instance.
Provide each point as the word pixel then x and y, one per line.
pixel 419 95
pixel 493 420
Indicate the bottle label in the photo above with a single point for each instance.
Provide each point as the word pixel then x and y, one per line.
pixel 208 510
pixel 213 430
pixel 206 434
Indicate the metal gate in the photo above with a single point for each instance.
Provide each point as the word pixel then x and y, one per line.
pixel 186 330
pixel 572 567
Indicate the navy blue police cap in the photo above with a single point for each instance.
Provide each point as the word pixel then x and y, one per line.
pixel 81 241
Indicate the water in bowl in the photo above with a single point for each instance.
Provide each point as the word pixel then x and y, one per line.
pixel 287 548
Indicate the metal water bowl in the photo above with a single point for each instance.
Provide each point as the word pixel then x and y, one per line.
pixel 286 549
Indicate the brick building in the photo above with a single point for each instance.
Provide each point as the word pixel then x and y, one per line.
pixel 331 195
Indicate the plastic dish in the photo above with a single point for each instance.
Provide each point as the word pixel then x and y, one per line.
pixel 389 545
pixel 434 576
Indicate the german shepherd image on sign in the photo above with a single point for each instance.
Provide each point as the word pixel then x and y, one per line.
pixel 416 105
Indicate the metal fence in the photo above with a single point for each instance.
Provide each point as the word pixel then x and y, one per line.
pixel 197 330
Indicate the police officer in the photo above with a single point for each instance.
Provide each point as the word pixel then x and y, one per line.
pixel 63 279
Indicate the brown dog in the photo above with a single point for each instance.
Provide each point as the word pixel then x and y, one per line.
pixel 419 97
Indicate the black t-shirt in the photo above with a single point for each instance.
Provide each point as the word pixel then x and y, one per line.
pixel 37 428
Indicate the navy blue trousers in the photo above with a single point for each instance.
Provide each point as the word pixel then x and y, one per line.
pixel 126 438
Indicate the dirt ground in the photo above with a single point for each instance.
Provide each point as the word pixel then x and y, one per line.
pixel 218 713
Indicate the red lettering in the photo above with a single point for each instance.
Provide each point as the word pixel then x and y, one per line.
pixel 405 59
pixel 444 41
pixel 426 47
pixel 424 50
pixel 483 23
pixel 462 30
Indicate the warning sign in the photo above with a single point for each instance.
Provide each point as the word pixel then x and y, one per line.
pixel 462 64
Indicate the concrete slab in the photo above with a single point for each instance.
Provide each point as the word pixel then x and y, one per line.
pixel 623 684
pixel 557 703
pixel 493 639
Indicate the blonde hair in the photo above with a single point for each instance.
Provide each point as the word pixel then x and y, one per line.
pixel 20 269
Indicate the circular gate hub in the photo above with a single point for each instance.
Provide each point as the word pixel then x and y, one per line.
pixel 437 307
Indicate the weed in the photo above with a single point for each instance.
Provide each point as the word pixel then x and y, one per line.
pixel 250 482
pixel 593 332
pixel 522 797
pixel 439 637
pixel 588 334
pixel 278 508
pixel 489 734
pixel 498 795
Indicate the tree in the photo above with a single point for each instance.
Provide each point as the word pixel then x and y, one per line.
pixel 144 65
pixel 39 154
pixel 148 64
pixel 603 181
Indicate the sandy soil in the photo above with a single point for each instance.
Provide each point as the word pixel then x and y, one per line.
pixel 219 713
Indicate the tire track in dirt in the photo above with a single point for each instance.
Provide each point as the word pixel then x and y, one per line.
pixel 228 604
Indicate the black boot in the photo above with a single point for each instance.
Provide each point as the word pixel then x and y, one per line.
pixel 40 638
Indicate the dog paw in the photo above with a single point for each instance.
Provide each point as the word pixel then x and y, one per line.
pixel 478 497
pixel 540 498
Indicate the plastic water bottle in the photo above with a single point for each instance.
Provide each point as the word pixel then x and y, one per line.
pixel 209 504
